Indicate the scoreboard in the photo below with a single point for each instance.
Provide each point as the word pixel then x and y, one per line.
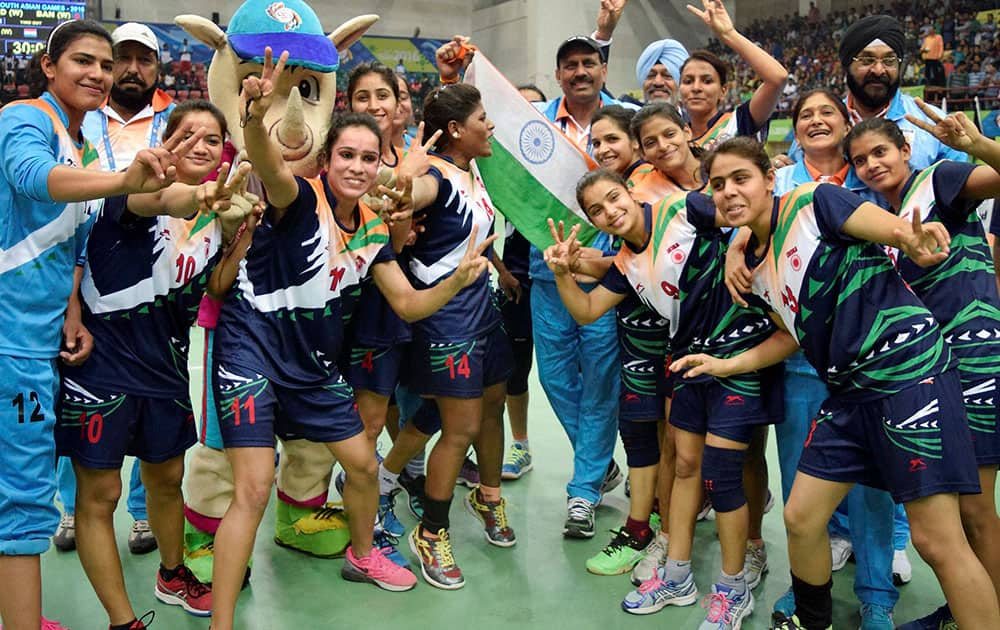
pixel 25 26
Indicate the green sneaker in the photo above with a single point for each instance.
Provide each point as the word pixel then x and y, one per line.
pixel 199 552
pixel 621 554
pixel 320 532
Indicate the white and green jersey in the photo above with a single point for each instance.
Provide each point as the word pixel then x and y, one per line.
pixel 865 332
pixel 961 291
pixel 679 273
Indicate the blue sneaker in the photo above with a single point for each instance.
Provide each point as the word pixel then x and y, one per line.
pixel 387 543
pixel 518 462
pixel 785 606
pixel 655 594
pixel 725 608
pixel 875 617
pixel 940 619
pixel 387 515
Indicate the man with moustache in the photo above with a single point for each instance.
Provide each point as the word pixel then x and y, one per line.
pixel 871 53
pixel 136 112
pixel 132 119
pixel 577 365
pixel 658 70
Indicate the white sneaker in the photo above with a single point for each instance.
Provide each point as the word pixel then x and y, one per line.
pixel 840 550
pixel 656 555
pixel 65 536
pixel 902 571
pixel 754 564
pixel 579 518
pixel 706 513
pixel 141 539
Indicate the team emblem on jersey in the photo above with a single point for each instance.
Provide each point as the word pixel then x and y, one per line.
pixel 537 142
pixel 278 12
pixel 676 254
pixel 793 259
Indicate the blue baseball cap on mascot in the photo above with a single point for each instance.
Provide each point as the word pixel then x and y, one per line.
pixel 286 25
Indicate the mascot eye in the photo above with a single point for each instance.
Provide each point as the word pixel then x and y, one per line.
pixel 309 89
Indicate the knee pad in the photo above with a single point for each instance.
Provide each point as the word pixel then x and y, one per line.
pixel 427 418
pixel 722 475
pixel 641 441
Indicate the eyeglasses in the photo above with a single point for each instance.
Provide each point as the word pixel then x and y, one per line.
pixel 867 61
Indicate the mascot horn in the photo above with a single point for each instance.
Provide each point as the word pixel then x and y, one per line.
pixel 298 120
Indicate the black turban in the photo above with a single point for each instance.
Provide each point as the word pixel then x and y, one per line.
pixel 868 29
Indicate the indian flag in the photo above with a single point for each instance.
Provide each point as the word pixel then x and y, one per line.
pixel 533 171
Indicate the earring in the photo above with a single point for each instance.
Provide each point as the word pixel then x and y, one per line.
pixel 454 134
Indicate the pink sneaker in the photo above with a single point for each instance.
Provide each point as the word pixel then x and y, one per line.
pixel 378 570
pixel 48 624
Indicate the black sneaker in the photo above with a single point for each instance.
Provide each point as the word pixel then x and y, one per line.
pixel 579 518
pixel 414 486
pixel 613 478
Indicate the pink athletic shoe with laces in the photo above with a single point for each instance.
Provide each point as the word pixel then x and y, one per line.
pixel 377 569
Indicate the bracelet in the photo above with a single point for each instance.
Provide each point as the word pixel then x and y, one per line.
pixel 449 80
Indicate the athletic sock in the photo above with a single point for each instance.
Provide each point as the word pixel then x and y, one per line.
pixel 415 467
pixel 813 604
pixel 677 570
pixel 488 494
pixel 387 481
pixel 737 583
pixel 523 443
pixel 169 574
pixel 123 626
pixel 436 514
pixel 639 530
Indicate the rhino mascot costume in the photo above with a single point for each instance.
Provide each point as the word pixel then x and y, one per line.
pixel 298 120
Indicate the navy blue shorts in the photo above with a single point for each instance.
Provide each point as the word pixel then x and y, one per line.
pixel 980 397
pixel 374 368
pixel 253 410
pixel 642 344
pixel 98 428
pixel 462 369
pixel 732 408
pixel 914 443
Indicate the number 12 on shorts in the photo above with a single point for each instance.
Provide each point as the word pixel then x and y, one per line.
pixel 36 413
pixel 461 367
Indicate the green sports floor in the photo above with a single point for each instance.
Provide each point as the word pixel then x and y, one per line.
pixel 539 583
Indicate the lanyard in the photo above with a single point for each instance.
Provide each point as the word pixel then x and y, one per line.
pixel 154 136
pixel 565 125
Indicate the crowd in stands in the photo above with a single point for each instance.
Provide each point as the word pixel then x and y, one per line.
pixel 807 46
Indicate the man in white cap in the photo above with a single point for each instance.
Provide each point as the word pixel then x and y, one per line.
pixel 132 119
pixel 136 112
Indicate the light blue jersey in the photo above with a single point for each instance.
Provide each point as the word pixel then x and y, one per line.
pixel 40 239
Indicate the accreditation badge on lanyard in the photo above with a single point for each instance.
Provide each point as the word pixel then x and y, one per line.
pixel 154 137
pixel 565 127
